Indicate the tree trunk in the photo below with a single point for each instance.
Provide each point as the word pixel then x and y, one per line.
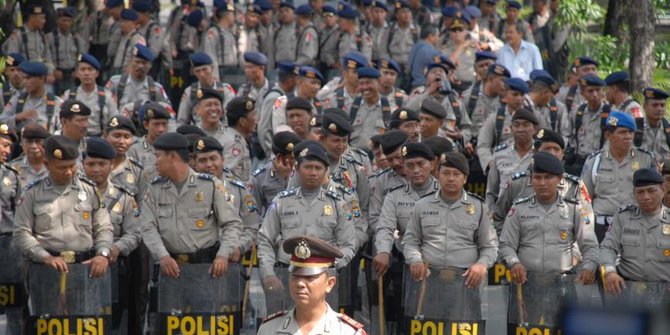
pixel 614 18
pixel 641 23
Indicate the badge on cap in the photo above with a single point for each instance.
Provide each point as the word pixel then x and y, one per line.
pixel 302 250
pixel 649 94
pixel 327 210
pixel 4 129
pixel 75 108
pixel 304 152
pixel 199 196
pixel 37 10
pixel 403 151
pixel 666 229
pixel 635 165
pixel 200 145
pixel 198 94
pixel 312 122
pixel 470 209
pixel 114 122
pixel 9 60
pixel 150 113
pixel 82 196
pixel 250 105
pixel 200 223
pixel 351 64
pixel 564 235
pixel 58 154
pixel 289 146
pixel 540 134
pixel 332 127
pixel 403 115
pixel 613 121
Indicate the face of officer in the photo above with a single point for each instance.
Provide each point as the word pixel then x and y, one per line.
pixel 204 74
pixel 155 128
pixel 429 125
pixel 140 68
pixel 97 169
pixel 368 88
pixel 586 69
pixel 64 23
pixel 378 16
pixel 514 99
pixel 86 73
pixel 286 15
pixel 34 84
pixel 350 77
pixel 458 34
pixel 542 94
pixel 494 84
pixel 5 149
pixel 666 184
pixel 654 110
pixel 37 21
pixel 649 198
pixel 120 139
pixel 61 171
pixel 335 145
pixel 210 110
pixel 311 173
pixel 418 170
pixel 251 19
pixel 329 19
pixel 75 127
pixel 552 148
pixel 452 181
pixel 395 162
pixel 545 186
pixel 298 120
pixel 15 76
pixel 404 17
pixel 512 13
pixel 253 73
pixel 127 26
pixel 209 162
pixel 247 123
pixel 308 87
pixel 387 79
pixel 593 95
pixel 523 131
pixel 620 138
pixel 166 162
pixel 380 160
pixel 412 129
pixel 482 66
pixel 308 292
pixel 33 148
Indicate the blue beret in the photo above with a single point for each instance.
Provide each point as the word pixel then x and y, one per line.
pixel 67 12
pixel 264 4
pixel 547 163
pixel 366 3
pixel 305 9
pixel 517 84
pixel 286 4
pixel 15 59
pixel 400 4
pixel 310 72
pixel 347 12
pixel 584 60
pixel 482 55
pixel 194 18
pixel 143 52
pixel 473 11
pixel 388 63
pixel 311 150
pixel 34 10
pixel 142 6
pixel 499 70
pixel 442 61
pixel 254 8
pixel 542 76
pixel 255 58
pixel 129 14
pixel 171 141
pixel 329 9
pixel 113 3
pixel 513 4
pixel 90 60
pixel 34 69
pixel 591 80
pixel 620 119
pixel 617 77
pixel 224 6
pixel 646 177
pixel 449 11
pixel 199 59
pixel 354 60
pixel 367 72
pixel 97 147
pixel 379 4
pixel 286 66
pixel 654 93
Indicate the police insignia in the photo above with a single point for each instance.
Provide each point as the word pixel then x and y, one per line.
pixel 403 151
pixel 199 196
pixel 58 154
pixel 7 182
pixel 114 122
pixel 403 115
pixel 198 94
pixel 82 196
pixel 540 134
pixel 200 223
pixel 249 201
pixel 302 250
pixel 564 235
pixel 250 105
pixel 666 229
pixel 201 145
pixel 117 208
pixel 666 252
pixel 4 129
pixel 130 178
pixel 327 210
pixel 613 121
pixel 470 209
pixel 86 215
pixel 332 127
pixel 289 147
pixel 635 165
pixel 564 213
pixel 312 122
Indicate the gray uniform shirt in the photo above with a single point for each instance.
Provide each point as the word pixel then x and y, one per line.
pixel 27 174
pixel 285 323
pixel 236 154
pixel 221 46
pixel 98 118
pixel 265 185
pixel 10 193
pixel 186 113
pixel 66 51
pixel 36 48
pixel 381 183
pixel 125 216
pixel 506 161
pixel 285 42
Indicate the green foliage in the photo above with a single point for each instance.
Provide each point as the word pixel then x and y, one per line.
pixel 579 13
pixel 662 55
pixel 606 49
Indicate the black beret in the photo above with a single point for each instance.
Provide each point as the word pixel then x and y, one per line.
pixel 432 107
pixel 455 160
pixel 646 177
pixel 192 138
pixel 8 132
pixel 284 142
pixel 208 93
pixel 548 135
pixel 207 144
pixel 414 150
pixel 336 125
pixel 154 110
pixel 34 130
pixel 298 103
pixel 402 115
pixel 337 111
pixel 239 107
pixel 120 122
pixel 525 114
pixel 546 162
pixel 310 150
pixel 186 129
pixel 59 147
pixel 376 141
pixel 392 141
pixel 315 121
pixel 171 141
pixel 654 93
pixel 438 145
pixel 73 107
pixel 97 147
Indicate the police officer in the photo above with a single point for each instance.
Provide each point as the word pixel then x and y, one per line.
pixel 635 248
pixel 155 120
pixel 65 46
pixel 401 37
pixel 126 171
pixel 370 113
pixel 34 104
pixel 61 215
pixel 221 43
pixel 248 33
pixel 209 109
pixel 97 98
pixel 407 121
pixel 312 278
pixel 439 146
pixel 211 230
pixel 461 51
pixel 471 244
pixel 30 40
pixel 9 199
pixel 552 113
pixel 482 100
pixel 208 156
pixel 657 127
pixel 618 94
pixel 431 115
pixel 12 84
pixel 306 209
pixel 512 19
pixel 352 37
pixel 267 29
pixel 149 29
pixel 287 74
pixel 299 116
pixel 508 158
pixel 328 39
pixel 385 180
pixel 30 165
pixel 340 91
pixel 389 72
pixel 97 29
pixel 130 37
pixel 307 47
pixel 490 19
pixel 570 94
pixel 257 84
pixel 286 35
pixel 540 230
pixel 241 113
pixel 307 88
pixel 73 118
pixel 608 172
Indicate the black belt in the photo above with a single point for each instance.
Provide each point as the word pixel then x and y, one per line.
pixel 73 256
pixel 206 255
pixel 281 265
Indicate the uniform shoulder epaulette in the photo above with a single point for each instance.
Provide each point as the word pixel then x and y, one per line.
pixel 352 159
pixel 136 163
pixel 428 194
pixel 351 322
pixel 237 183
pixel 86 180
pixel 10 168
pixel 275 315
pixel 333 195
pixel 158 179
pixel 500 147
pixel 645 151
pixel 571 200
pixel 287 193
pixel 521 200
pixel 476 196
pixel 205 176
pixel 521 174
pixel 627 208
pixel 258 171
pixel 124 190
pixel 594 154
pixel 361 152
pixel 572 178
pixel 379 173
pixel 34 183
pixel 391 189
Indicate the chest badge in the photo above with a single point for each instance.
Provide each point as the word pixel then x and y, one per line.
pixel 470 209
pixel 564 235
pixel 82 196
pixel 199 196
pixel 666 229
pixel 117 208
pixel 200 223
pixel 327 210
pixel 635 165
pixel 130 179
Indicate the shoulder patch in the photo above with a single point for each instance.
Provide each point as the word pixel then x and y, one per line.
pixel 287 193
pixel 275 315
pixel 519 175
pixel 136 163
pixel 500 147
pixel 205 176
pixel 572 178
pixel 627 208
pixel 158 179
pixel 476 196
pixel 522 200
pixel 237 183
pixel 258 171
pixel 361 152
pixel 351 322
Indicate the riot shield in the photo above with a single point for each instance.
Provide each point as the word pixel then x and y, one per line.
pixel 535 306
pixel 279 299
pixel 68 303
pixel 640 295
pixel 12 293
pixel 195 303
pixel 442 304
pixel 344 287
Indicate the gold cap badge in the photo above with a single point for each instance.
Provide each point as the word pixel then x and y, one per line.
pixel 403 151
pixel 332 127
pixel 114 122
pixel 4 129
pixel 304 152
pixel 540 134
pixel 613 121
pixel 250 105
pixel 75 108
pixel 58 154
pixel 198 94
pixel 150 113
pixel 201 145
pixel 289 146
pixel 302 250
pixel 312 122
pixel 403 115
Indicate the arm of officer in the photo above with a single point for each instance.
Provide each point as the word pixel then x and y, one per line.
pixel 228 220
pixel 103 230
pixel 586 238
pixel 363 189
pixel 360 220
pixel 249 213
pixel 267 240
pixel 345 234
pixel 485 141
pixel 415 101
pixel 23 230
pixel 466 125
pixel 388 223
pixel 150 235
pixel 587 176
pixel 503 204
pixel 8 115
pixel 492 185
pixel 132 227
pixel 411 242
pixel 611 247
pixel 566 126
pixel 487 240
pixel 375 203
pixel 185 108
pixel 112 107
pixel 265 129
pixel 278 111
pixel 509 239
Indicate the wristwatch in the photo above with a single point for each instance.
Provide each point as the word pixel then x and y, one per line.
pixel 104 252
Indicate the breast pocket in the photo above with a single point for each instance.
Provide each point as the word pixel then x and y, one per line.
pixel 630 246
pixel 83 213
pixel 199 217
pixel 289 224
pixel 42 216
pixel 327 221
pixel 431 225
pixel 663 250
pixel 164 211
